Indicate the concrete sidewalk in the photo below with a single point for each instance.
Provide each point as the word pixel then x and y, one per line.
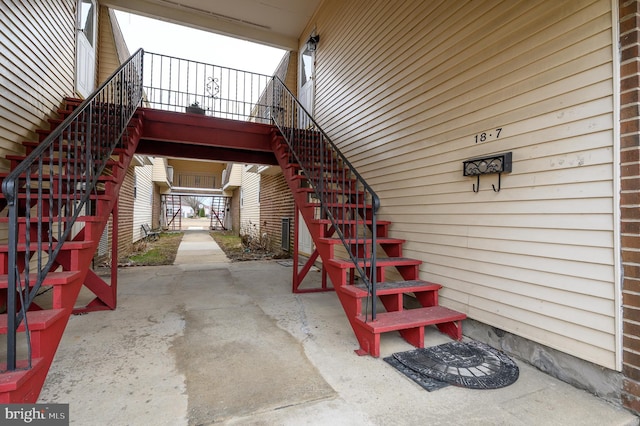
pixel 206 341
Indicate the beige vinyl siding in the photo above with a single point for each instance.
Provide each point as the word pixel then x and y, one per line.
pixel 403 88
pixel 108 60
pixel 160 173
pixel 250 208
pixel 233 176
pixel 37 60
pixel 143 202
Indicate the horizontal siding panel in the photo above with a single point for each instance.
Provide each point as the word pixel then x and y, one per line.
pixel 455 278
pixel 479 69
pixel 447 233
pixel 555 337
pixel 568 118
pixel 403 89
pixel 37 66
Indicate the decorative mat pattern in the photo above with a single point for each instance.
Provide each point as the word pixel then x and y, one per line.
pixel 470 364
pixel 427 383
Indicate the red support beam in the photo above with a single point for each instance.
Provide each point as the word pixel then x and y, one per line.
pixel 209 131
pixel 106 294
pixel 299 276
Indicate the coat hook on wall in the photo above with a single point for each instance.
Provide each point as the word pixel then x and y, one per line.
pixel 493 186
pixel 499 163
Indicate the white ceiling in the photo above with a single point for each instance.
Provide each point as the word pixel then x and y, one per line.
pixel 277 23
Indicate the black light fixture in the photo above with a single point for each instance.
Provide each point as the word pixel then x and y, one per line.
pixel 312 43
pixel 499 163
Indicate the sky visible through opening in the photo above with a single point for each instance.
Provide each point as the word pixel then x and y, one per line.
pixel 183 42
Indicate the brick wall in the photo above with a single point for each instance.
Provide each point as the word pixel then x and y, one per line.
pixel 155 209
pixel 235 211
pixel 629 25
pixel 276 202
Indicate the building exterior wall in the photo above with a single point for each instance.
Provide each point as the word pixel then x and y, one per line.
pixel 143 200
pixel 125 215
pixel 250 203
pixel 276 203
pixel 37 70
pixel 196 174
pixel 444 82
pixel 156 207
pixel 235 211
pixel 108 60
pixel 629 33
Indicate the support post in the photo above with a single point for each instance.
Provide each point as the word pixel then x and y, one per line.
pixel 299 276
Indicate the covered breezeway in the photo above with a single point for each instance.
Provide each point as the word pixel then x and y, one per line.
pixel 207 341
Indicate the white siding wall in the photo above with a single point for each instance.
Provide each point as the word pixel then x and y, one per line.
pixel 250 207
pixel 37 59
pixel 404 87
pixel 143 202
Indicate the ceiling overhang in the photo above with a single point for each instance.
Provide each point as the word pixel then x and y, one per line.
pixel 276 23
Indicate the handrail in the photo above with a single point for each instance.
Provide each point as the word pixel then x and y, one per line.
pixel 62 173
pixel 176 84
pixel 345 198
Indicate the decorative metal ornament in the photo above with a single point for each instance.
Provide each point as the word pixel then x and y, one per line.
pixel 499 163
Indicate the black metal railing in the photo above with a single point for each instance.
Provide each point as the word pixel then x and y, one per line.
pixel 182 85
pixel 53 186
pixel 343 196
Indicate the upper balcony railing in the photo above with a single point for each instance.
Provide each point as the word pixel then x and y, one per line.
pixel 181 85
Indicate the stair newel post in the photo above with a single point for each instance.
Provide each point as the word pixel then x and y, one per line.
pixel 324 207
pixel 374 269
pixel 10 191
pixel 89 155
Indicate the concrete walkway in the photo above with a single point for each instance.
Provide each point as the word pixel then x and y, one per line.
pixel 206 341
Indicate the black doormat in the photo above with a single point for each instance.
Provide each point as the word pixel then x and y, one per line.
pixel 470 364
pixel 426 382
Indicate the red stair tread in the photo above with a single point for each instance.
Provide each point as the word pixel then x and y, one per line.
pixel 32 219
pixel 411 318
pixel 51 279
pixel 68 245
pixel 64 178
pixel 351 222
pixel 13 380
pixel 381 262
pixel 38 320
pixel 379 240
pixel 393 287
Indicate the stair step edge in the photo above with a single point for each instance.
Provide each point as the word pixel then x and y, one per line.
pixel 379 240
pixel 393 287
pixel 51 279
pixel 13 380
pixel 55 219
pixel 68 245
pixel 381 262
pixel 38 320
pixel 411 318
pixel 351 222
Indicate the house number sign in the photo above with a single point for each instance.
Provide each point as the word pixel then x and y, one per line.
pixel 489 135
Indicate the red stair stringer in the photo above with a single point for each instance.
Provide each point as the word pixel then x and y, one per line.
pixel 409 323
pixel 47 325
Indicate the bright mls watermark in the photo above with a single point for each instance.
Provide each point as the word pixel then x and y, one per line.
pixel 35 414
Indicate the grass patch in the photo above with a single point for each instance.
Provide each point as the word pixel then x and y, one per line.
pixel 159 252
pixel 230 243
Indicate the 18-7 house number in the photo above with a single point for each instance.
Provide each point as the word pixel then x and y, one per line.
pixel 485 136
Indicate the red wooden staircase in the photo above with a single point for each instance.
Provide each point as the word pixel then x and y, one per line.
pixel 55 204
pixel 339 209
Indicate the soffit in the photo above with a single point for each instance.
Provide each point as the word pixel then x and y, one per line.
pixel 277 23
